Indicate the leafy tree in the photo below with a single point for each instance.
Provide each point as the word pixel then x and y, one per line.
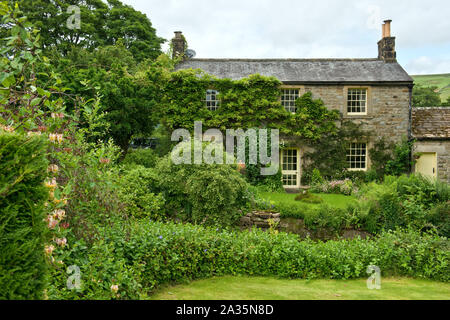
pixel 130 92
pixel 426 97
pixel 102 24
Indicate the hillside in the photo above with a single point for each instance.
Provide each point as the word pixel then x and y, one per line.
pixel 442 81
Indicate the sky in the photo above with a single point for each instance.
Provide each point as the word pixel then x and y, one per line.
pixel 307 28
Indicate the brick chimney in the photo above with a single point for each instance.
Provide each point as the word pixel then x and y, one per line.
pixel 386 46
pixel 178 45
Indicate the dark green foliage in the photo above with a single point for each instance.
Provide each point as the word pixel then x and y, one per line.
pixel 401 162
pixel 102 24
pixel 439 217
pixel 203 194
pixel 413 201
pixel 130 92
pixel 146 255
pixel 23 168
pixel 252 172
pixel 184 252
pixel 330 153
pixel 136 192
pixel 425 97
pixel 142 157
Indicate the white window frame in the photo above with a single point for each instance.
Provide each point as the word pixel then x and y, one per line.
pixel 366 101
pixel 212 99
pixel 290 94
pixel 290 172
pixel 351 154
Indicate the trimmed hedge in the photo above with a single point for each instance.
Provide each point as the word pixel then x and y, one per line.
pixel 173 253
pixel 145 255
pixel 23 168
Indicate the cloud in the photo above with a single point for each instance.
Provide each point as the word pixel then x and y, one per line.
pixel 303 29
pixel 427 65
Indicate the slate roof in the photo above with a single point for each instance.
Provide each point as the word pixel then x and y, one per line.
pixel 298 71
pixel 431 123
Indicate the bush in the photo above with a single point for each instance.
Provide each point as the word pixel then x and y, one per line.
pixel 23 168
pixel 142 157
pixel 137 192
pixel 336 186
pixel 173 253
pixel 143 255
pixel 440 218
pixel 413 201
pixel 203 194
pixel 308 198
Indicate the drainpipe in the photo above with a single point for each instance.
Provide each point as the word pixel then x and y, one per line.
pixel 410 136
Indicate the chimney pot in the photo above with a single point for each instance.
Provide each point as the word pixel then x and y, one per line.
pixel 386 46
pixel 387 28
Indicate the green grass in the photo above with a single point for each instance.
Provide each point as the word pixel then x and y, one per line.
pixel 442 81
pixel 334 200
pixel 257 288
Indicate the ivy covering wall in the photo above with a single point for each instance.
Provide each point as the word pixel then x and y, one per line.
pixel 252 102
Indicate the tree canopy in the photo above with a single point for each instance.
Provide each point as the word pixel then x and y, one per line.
pixel 426 97
pixel 101 24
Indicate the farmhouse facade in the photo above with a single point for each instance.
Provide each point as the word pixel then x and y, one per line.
pixel 376 93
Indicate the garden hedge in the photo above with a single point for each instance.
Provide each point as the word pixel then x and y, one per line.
pixel 23 169
pixel 173 253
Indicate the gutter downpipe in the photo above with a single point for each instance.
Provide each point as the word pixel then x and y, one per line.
pixel 410 137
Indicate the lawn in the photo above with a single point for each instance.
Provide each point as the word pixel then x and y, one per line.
pixel 334 200
pixel 442 81
pixel 257 288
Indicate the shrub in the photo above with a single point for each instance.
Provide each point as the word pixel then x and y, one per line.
pixel 439 217
pixel 404 201
pixel 173 253
pixel 203 194
pixel 136 191
pixel 308 198
pixel 142 157
pixel 23 168
pixel 316 177
pixel 336 186
pixel 143 255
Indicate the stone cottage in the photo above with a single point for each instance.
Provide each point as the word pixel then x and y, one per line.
pixel 374 92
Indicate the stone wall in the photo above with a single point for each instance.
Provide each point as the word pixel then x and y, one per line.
pixel 442 148
pixel 260 219
pixel 388 107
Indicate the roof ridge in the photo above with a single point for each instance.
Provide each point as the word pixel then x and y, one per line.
pixel 282 59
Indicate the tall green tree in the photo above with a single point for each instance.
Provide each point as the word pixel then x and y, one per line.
pixel 101 24
pixel 426 97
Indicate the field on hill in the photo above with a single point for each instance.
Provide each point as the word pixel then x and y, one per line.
pixel 442 81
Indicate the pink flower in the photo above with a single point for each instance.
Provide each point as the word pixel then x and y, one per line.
pixel 49 249
pixel 105 161
pixel 59 214
pixel 114 288
pixel 53 168
pixel 61 242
